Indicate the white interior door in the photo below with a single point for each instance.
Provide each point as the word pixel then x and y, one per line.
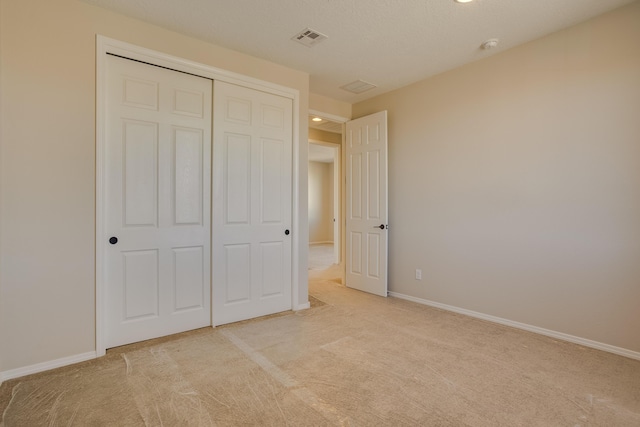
pixel 366 157
pixel 252 203
pixel 158 216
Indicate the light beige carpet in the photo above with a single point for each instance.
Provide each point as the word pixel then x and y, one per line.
pixel 320 256
pixel 352 359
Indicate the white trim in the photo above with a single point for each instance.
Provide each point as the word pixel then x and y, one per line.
pixel 323 143
pixel 304 306
pixel 327 116
pixel 296 245
pixel 138 53
pixel 101 110
pixel 530 328
pixel 320 243
pixel 45 366
pixel 105 45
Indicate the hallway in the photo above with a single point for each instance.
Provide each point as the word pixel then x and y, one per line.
pixel 321 256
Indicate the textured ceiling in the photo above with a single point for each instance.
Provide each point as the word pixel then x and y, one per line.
pixel 390 43
pixel 325 125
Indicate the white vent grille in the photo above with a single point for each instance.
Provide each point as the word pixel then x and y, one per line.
pixel 309 37
pixel 358 86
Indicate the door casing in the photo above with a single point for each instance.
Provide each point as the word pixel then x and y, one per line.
pixel 105 45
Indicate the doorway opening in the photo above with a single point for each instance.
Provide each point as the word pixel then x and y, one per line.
pixel 363 201
pixel 324 193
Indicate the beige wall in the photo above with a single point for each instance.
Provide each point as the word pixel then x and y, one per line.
pixel 329 105
pixel 514 183
pixel 320 202
pixel 47 174
pixel 324 136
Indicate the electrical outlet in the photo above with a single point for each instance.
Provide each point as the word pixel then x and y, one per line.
pixel 418 274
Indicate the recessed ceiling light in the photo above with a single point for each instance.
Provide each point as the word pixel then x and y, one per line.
pixel 490 44
pixel 317 119
pixel 463 1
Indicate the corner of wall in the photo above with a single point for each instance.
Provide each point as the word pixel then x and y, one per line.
pixel 2 204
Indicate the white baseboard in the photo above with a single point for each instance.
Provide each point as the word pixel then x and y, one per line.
pixel 554 334
pixel 302 306
pixel 45 366
pixel 320 243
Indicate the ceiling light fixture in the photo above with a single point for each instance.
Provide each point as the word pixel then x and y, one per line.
pixel 463 1
pixel 490 44
pixel 317 119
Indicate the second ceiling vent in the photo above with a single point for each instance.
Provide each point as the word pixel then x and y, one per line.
pixel 358 86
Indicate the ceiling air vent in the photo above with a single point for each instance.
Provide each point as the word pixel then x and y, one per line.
pixel 358 86
pixel 309 37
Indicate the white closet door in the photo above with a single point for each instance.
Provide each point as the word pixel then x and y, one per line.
pixel 251 203
pixel 158 187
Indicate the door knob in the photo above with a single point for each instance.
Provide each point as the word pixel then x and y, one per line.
pixel 286 232
pixel 113 240
pixel 381 226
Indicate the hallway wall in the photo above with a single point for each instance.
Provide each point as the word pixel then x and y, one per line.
pixel 320 202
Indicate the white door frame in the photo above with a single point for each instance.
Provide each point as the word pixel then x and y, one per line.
pixel 104 46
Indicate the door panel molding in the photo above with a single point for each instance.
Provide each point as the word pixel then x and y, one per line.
pixel 104 46
pixel 157 204
pixel 367 203
pixel 255 172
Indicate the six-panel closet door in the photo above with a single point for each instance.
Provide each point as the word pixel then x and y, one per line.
pixel 251 203
pixel 175 261
pixel 158 202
